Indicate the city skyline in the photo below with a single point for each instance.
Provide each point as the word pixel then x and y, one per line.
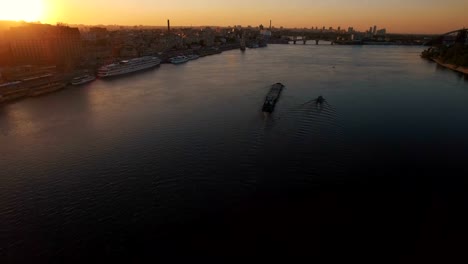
pixel 399 16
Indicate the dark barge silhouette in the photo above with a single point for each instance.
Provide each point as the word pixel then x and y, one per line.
pixel 272 97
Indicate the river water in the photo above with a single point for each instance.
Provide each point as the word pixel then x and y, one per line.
pixel 180 160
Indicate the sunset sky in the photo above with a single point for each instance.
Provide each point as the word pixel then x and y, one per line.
pixel 404 16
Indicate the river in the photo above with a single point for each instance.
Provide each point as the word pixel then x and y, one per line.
pixel 180 161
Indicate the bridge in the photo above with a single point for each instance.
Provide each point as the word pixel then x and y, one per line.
pixel 450 38
pixel 304 36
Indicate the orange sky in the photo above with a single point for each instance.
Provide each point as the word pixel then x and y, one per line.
pixel 410 16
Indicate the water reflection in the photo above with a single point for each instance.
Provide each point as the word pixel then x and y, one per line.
pixel 105 161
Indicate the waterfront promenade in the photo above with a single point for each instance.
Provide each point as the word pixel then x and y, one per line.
pixel 456 68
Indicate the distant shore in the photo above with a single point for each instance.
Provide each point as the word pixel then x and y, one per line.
pixel 456 68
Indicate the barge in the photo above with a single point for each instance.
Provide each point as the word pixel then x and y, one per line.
pixel 272 97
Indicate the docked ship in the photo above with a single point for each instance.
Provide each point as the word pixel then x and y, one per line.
pixel 128 66
pixel 83 79
pixel 39 85
pixel 193 56
pixel 29 80
pixel 272 97
pixel 179 59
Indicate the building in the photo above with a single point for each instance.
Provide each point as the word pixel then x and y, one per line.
pixel 95 34
pixel 5 53
pixel 381 32
pixel 44 44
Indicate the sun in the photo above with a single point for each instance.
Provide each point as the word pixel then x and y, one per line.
pixel 26 10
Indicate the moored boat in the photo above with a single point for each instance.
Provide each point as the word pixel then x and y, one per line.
pixel 83 79
pixel 193 56
pixel 179 59
pixel 128 66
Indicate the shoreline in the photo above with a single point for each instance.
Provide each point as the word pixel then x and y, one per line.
pixel 460 69
pixel 23 92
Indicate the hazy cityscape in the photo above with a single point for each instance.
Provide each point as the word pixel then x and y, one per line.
pixel 143 132
pixel 59 53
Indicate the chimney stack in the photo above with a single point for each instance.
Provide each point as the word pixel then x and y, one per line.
pixel 270 24
pixel 168 26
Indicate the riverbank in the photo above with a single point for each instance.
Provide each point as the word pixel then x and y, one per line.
pixel 456 68
pixel 13 91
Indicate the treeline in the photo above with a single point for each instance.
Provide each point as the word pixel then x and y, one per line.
pixel 456 54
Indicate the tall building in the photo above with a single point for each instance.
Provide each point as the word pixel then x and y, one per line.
pixel 381 32
pixel 374 31
pixel 44 44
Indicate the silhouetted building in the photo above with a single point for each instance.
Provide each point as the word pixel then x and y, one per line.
pixel 381 32
pixel 98 33
pixel 5 53
pixel 44 44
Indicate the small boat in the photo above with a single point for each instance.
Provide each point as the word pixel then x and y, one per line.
pixel 83 79
pixel 179 59
pixel 272 97
pixel 193 56
pixel 320 100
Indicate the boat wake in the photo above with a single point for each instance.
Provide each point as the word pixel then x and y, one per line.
pixel 313 138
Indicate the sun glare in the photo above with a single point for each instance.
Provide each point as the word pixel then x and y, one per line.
pixel 26 10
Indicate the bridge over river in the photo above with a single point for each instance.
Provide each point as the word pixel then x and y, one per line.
pixel 304 36
pixel 449 38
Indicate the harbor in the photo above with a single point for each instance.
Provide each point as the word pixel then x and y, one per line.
pixel 31 81
pixel 87 53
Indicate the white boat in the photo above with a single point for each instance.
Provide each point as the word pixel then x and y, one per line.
pixel 179 59
pixel 193 57
pixel 128 66
pixel 83 79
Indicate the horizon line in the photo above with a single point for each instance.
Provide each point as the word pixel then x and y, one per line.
pixel 188 26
